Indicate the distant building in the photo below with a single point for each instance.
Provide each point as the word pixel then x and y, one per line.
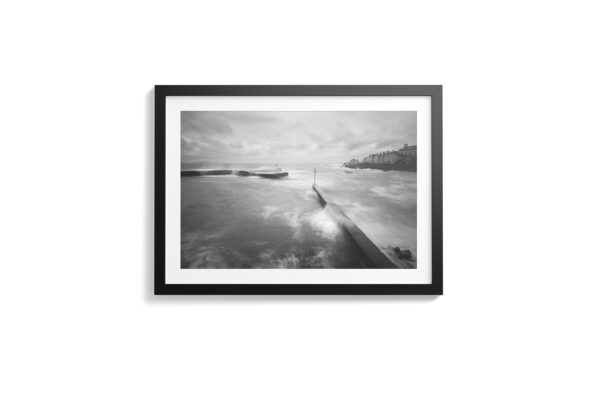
pixel 386 157
pixel 408 150
pixel 392 157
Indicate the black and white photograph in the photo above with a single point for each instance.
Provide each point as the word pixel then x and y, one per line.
pixel 299 189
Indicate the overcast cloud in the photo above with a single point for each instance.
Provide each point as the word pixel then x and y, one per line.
pixel 293 136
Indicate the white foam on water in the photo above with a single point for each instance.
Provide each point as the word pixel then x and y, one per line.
pixel 268 211
pixel 292 219
pixel 270 259
pixel 310 195
pixel 387 193
pixel 324 225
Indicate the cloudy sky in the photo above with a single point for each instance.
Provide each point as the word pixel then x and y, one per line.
pixel 293 136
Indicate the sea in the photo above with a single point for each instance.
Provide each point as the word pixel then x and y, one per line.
pixel 230 221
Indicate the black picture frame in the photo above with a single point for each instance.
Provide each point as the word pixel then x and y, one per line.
pixel 434 288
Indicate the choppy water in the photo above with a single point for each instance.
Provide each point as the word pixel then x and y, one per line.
pixel 249 222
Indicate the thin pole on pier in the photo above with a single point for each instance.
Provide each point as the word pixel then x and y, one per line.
pixel 315 181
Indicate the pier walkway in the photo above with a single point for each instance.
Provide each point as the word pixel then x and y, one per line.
pixel 369 252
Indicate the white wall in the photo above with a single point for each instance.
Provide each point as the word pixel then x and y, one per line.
pixel 520 315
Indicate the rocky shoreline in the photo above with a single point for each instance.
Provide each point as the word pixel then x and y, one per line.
pixel 382 167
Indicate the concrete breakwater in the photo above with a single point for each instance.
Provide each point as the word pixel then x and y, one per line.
pixel 207 172
pixel 272 174
pixel 372 256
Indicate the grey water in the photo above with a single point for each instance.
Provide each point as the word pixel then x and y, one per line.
pixel 229 221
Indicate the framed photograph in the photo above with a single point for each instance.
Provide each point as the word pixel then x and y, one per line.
pixel 328 190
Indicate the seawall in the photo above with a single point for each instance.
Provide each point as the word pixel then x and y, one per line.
pixel 272 174
pixel 369 252
pixel 207 172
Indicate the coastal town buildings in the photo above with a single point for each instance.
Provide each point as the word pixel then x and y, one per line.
pixel 404 159
pixel 408 150
pixel 386 157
